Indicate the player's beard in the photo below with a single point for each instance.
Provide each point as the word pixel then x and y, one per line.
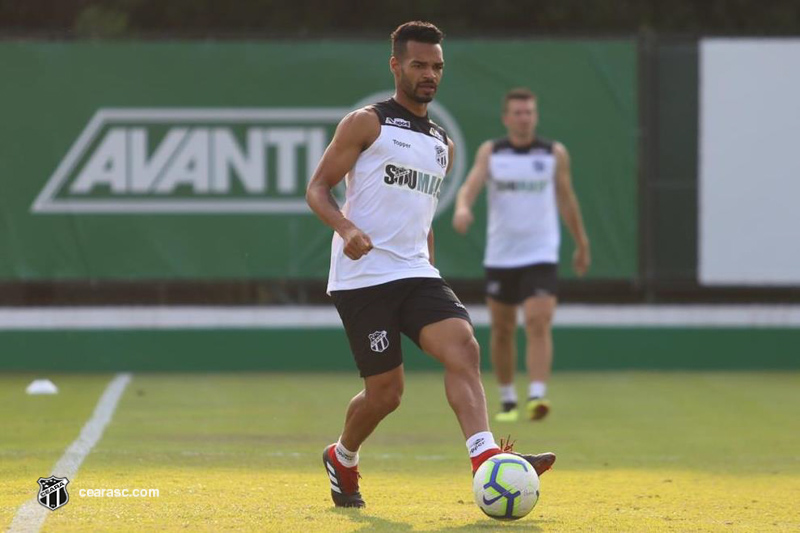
pixel 411 91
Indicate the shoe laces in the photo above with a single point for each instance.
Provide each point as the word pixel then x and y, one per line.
pixel 507 445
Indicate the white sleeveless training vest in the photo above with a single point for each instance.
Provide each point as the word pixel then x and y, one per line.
pixel 392 192
pixel 523 227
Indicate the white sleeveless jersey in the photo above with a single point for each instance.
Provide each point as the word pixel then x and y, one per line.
pixel 523 227
pixel 392 192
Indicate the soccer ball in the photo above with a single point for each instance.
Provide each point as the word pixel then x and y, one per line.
pixel 506 487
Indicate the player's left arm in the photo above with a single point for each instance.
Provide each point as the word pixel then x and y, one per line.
pixel 430 246
pixel 570 210
pixel 451 150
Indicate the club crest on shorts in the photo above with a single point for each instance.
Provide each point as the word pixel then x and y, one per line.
pixel 53 492
pixel 441 156
pixel 378 341
pixel 493 287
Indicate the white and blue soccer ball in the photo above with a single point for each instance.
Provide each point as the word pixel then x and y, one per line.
pixel 506 487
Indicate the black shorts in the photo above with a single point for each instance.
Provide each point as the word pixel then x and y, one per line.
pixel 374 317
pixel 515 285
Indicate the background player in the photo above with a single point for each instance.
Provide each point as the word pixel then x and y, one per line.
pixel 382 279
pixel 529 184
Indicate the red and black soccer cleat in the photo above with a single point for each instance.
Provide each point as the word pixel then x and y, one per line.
pixel 541 462
pixel 344 481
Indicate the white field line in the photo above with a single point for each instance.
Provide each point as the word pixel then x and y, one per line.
pixel 324 316
pixel 31 515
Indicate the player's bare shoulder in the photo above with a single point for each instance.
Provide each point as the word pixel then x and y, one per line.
pixel 482 157
pixel 451 154
pixel 360 127
pixel 563 170
pixel 485 149
pixel 560 151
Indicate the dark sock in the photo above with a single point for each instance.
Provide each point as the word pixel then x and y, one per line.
pixel 508 406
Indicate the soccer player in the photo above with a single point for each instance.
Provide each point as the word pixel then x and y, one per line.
pixel 529 183
pixel 382 278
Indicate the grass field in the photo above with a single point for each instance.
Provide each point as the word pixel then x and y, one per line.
pixel 233 452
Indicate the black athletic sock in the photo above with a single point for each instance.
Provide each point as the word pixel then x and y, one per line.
pixel 508 406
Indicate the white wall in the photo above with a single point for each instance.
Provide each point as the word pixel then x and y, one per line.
pixel 749 174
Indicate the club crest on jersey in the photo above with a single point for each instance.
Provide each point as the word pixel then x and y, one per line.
pixel 411 179
pixel 399 122
pixel 441 156
pixel 436 134
pixel 378 341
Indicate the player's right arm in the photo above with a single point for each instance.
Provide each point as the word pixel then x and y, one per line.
pixel 468 193
pixel 355 133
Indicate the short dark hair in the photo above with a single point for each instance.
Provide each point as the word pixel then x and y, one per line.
pixel 520 93
pixel 416 30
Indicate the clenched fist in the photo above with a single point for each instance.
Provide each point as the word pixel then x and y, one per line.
pixel 356 243
pixel 581 260
pixel 462 219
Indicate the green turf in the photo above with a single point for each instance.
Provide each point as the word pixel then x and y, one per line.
pixel 637 452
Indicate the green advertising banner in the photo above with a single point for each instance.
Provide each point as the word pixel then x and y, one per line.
pixel 189 160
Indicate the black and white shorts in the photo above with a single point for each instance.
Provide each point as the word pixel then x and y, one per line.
pixel 374 317
pixel 514 285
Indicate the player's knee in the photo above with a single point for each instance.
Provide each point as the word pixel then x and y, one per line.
pixel 503 332
pixel 538 323
pixel 386 399
pixel 389 401
pixel 473 353
pixel 465 356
